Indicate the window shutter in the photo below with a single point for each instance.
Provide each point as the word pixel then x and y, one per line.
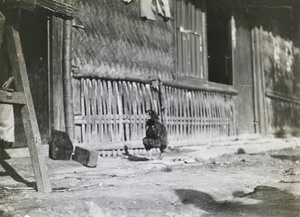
pixel 189 39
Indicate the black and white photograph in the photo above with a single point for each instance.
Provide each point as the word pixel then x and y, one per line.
pixel 149 108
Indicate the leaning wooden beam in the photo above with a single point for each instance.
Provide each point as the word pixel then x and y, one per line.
pixel 2 20
pixel 28 113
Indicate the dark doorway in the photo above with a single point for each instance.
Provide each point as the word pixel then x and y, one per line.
pixel 219 42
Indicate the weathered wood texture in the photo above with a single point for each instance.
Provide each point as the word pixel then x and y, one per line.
pixel 111 113
pixel 243 73
pixel 280 64
pixel 194 115
pixel 56 76
pixel 189 39
pixel 67 78
pixel 12 98
pixel 85 156
pixel 283 114
pixel 31 128
pixel 260 116
pixel 34 46
pixel 2 20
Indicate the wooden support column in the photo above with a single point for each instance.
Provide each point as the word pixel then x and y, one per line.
pixel 260 111
pixel 57 118
pixel 31 128
pixel 67 79
pixel 60 34
pixel 2 20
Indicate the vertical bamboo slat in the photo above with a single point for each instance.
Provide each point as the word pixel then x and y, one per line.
pixel 94 115
pixel 105 109
pixel 115 112
pixel 126 111
pixel 100 110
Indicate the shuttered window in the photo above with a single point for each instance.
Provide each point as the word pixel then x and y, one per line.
pixel 189 38
pixel 204 40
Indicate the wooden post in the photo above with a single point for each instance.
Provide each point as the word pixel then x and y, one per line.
pixel 56 82
pixel 31 128
pixel 67 79
pixel 259 86
pixel 2 20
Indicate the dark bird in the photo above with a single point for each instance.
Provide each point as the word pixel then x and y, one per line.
pixel 156 134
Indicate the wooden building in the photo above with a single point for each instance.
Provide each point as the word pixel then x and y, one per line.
pixel 215 69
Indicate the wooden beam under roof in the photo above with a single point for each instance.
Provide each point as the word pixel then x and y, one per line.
pixel 60 8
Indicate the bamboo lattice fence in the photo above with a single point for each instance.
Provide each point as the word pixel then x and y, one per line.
pixel 112 113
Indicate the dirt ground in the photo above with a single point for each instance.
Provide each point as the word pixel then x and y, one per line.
pixel 181 184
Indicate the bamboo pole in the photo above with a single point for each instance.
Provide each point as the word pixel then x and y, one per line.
pixel 67 79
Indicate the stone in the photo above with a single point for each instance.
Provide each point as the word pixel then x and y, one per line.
pixel 60 146
pixel 85 156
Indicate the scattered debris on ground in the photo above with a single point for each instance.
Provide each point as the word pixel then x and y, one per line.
pixel 183 183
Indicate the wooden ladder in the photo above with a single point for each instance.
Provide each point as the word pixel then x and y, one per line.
pixel 23 97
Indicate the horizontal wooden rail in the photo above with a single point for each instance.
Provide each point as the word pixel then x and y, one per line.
pixel 282 97
pixel 198 85
pixel 12 98
pixel 203 86
pixel 113 111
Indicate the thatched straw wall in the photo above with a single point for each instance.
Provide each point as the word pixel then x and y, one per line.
pixel 116 40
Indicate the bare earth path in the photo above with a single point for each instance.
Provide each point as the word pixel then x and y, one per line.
pixel 182 184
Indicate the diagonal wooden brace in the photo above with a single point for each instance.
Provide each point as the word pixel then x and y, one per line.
pixel 31 128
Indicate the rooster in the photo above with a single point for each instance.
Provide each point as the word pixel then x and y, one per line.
pixel 156 134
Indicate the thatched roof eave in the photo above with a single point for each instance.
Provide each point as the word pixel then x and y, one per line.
pixel 57 7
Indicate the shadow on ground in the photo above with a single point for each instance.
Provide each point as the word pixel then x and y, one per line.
pixel 5 214
pixel 269 201
pixel 287 157
pixel 10 171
